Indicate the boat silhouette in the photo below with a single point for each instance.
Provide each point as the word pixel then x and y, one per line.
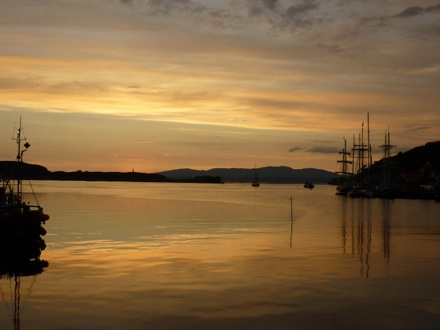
pixel 21 223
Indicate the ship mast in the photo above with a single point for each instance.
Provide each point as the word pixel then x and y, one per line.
pixel 362 151
pixel 344 161
pixel 386 147
pixel 20 152
pixel 370 156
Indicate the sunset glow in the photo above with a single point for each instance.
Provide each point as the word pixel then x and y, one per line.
pixel 156 85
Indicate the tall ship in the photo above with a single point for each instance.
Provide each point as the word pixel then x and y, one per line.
pixel 357 182
pixel 21 222
pixel 367 179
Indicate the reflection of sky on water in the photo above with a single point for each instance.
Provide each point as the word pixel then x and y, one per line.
pixel 123 262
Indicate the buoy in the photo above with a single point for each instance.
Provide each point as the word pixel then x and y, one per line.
pixel 44 217
pixel 42 244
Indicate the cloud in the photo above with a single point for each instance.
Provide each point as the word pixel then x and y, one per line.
pixel 271 4
pixel 332 48
pixel 212 15
pixel 177 7
pixel 295 149
pixel 323 150
pixel 283 18
pixel 127 2
pixel 316 150
pixel 278 17
pixel 300 9
pixel 16 83
pixel 418 129
pixel 417 10
pixel 411 11
pixel 433 8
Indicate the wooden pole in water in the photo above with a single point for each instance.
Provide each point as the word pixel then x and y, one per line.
pixel 291 220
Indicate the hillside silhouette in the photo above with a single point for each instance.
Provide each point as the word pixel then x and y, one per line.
pixel 282 174
pixel 416 158
pixel 14 170
pixel 411 160
pixel 270 174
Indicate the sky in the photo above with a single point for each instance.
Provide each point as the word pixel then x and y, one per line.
pixel 150 85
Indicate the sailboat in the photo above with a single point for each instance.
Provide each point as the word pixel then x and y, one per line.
pixel 357 183
pixel 21 223
pixel 255 180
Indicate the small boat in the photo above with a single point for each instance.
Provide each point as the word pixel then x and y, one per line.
pixel 21 223
pixel 255 180
pixel 309 185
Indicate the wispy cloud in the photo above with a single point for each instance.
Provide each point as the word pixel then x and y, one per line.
pixel 176 7
pixel 417 10
pixel 284 16
pixel 295 149
pixel 127 2
pixel 315 150
pixel 323 150
pixel 276 15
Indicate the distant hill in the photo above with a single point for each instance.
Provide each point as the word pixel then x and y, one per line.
pixel 106 176
pixel 412 160
pixel 416 158
pixel 13 170
pixel 280 174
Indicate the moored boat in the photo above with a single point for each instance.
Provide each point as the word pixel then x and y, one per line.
pixel 255 179
pixel 21 223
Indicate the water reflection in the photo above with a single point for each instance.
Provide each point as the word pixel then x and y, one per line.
pixel 386 229
pixel 357 217
pixel 13 268
pixel 201 257
pixel 291 221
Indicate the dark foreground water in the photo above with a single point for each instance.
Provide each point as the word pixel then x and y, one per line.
pixel 178 256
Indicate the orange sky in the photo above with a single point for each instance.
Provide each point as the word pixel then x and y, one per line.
pixel 159 85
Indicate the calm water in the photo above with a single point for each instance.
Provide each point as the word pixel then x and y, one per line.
pixel 178 256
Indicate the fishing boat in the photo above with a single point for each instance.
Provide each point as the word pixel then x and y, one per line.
pixel 21 223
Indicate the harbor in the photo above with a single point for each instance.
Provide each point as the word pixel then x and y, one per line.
pixel 412 175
